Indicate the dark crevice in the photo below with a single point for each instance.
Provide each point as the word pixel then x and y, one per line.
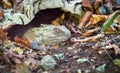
pixel 42 17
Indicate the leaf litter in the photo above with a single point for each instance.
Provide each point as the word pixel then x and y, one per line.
pixel 90 45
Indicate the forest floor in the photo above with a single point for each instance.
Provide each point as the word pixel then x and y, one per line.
pixel 67 57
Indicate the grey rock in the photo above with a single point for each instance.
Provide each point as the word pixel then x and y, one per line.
pixel 48 62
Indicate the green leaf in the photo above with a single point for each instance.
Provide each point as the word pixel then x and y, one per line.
pixel 110 21
pixel 59 56
pixel 18 50
pixel 82 60
pixel 101 68
pixel 117 62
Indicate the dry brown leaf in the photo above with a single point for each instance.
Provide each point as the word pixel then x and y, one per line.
pixel 87 3
pixel 16 60
pixel 90 32
pixel 71 27
pixel 116 49
pixel 42 53
pixel 58 21
pixel 7 4
pixel 5 59
pixel 22 41
pixel 3 36
pixel 111 30
pixel 95 38
pixel 1 13
pixel 89 39
pixel 118 26
pixel 12 54
pixel 97 5
pixel 56 46
pixel 22 68
pixel 96 19
pixel 85 19
pixel 97 48
pixel 32 63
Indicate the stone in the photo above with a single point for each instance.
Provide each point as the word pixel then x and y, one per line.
pixel 47 62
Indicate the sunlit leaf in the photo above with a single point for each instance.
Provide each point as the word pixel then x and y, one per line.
pixel 96 19
pixel 18 50
pixel 117 62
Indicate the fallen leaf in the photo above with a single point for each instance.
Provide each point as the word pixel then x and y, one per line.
pixel 118 26
pixel 101 68
pixel 59 56
pixel 58 21
pixel 97 5
pixel 42 53
pixel 96 19
pixel 89 39
pixel 90 32
pixel 1 12
pixel 56 46
pixel 32 63
pixel 22 41
pixel 3 35
pixel 85 19
pixel 7 4
pixel 82 60
pixel 111 30
pixel 18 50
pixel 16 60
pixel 116 49
pixel 10 52
pixel 5 59
pixel 87 4
pixel 22 68
pixel 117 62
pixel 97 48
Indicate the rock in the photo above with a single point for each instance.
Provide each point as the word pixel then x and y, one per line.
pixel 48 35
pixel 48 62
pixel 35 45
pixel 73 6
pixel 16 18
pixel 23 11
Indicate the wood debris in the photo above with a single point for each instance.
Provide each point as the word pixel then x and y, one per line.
pixel 89 39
